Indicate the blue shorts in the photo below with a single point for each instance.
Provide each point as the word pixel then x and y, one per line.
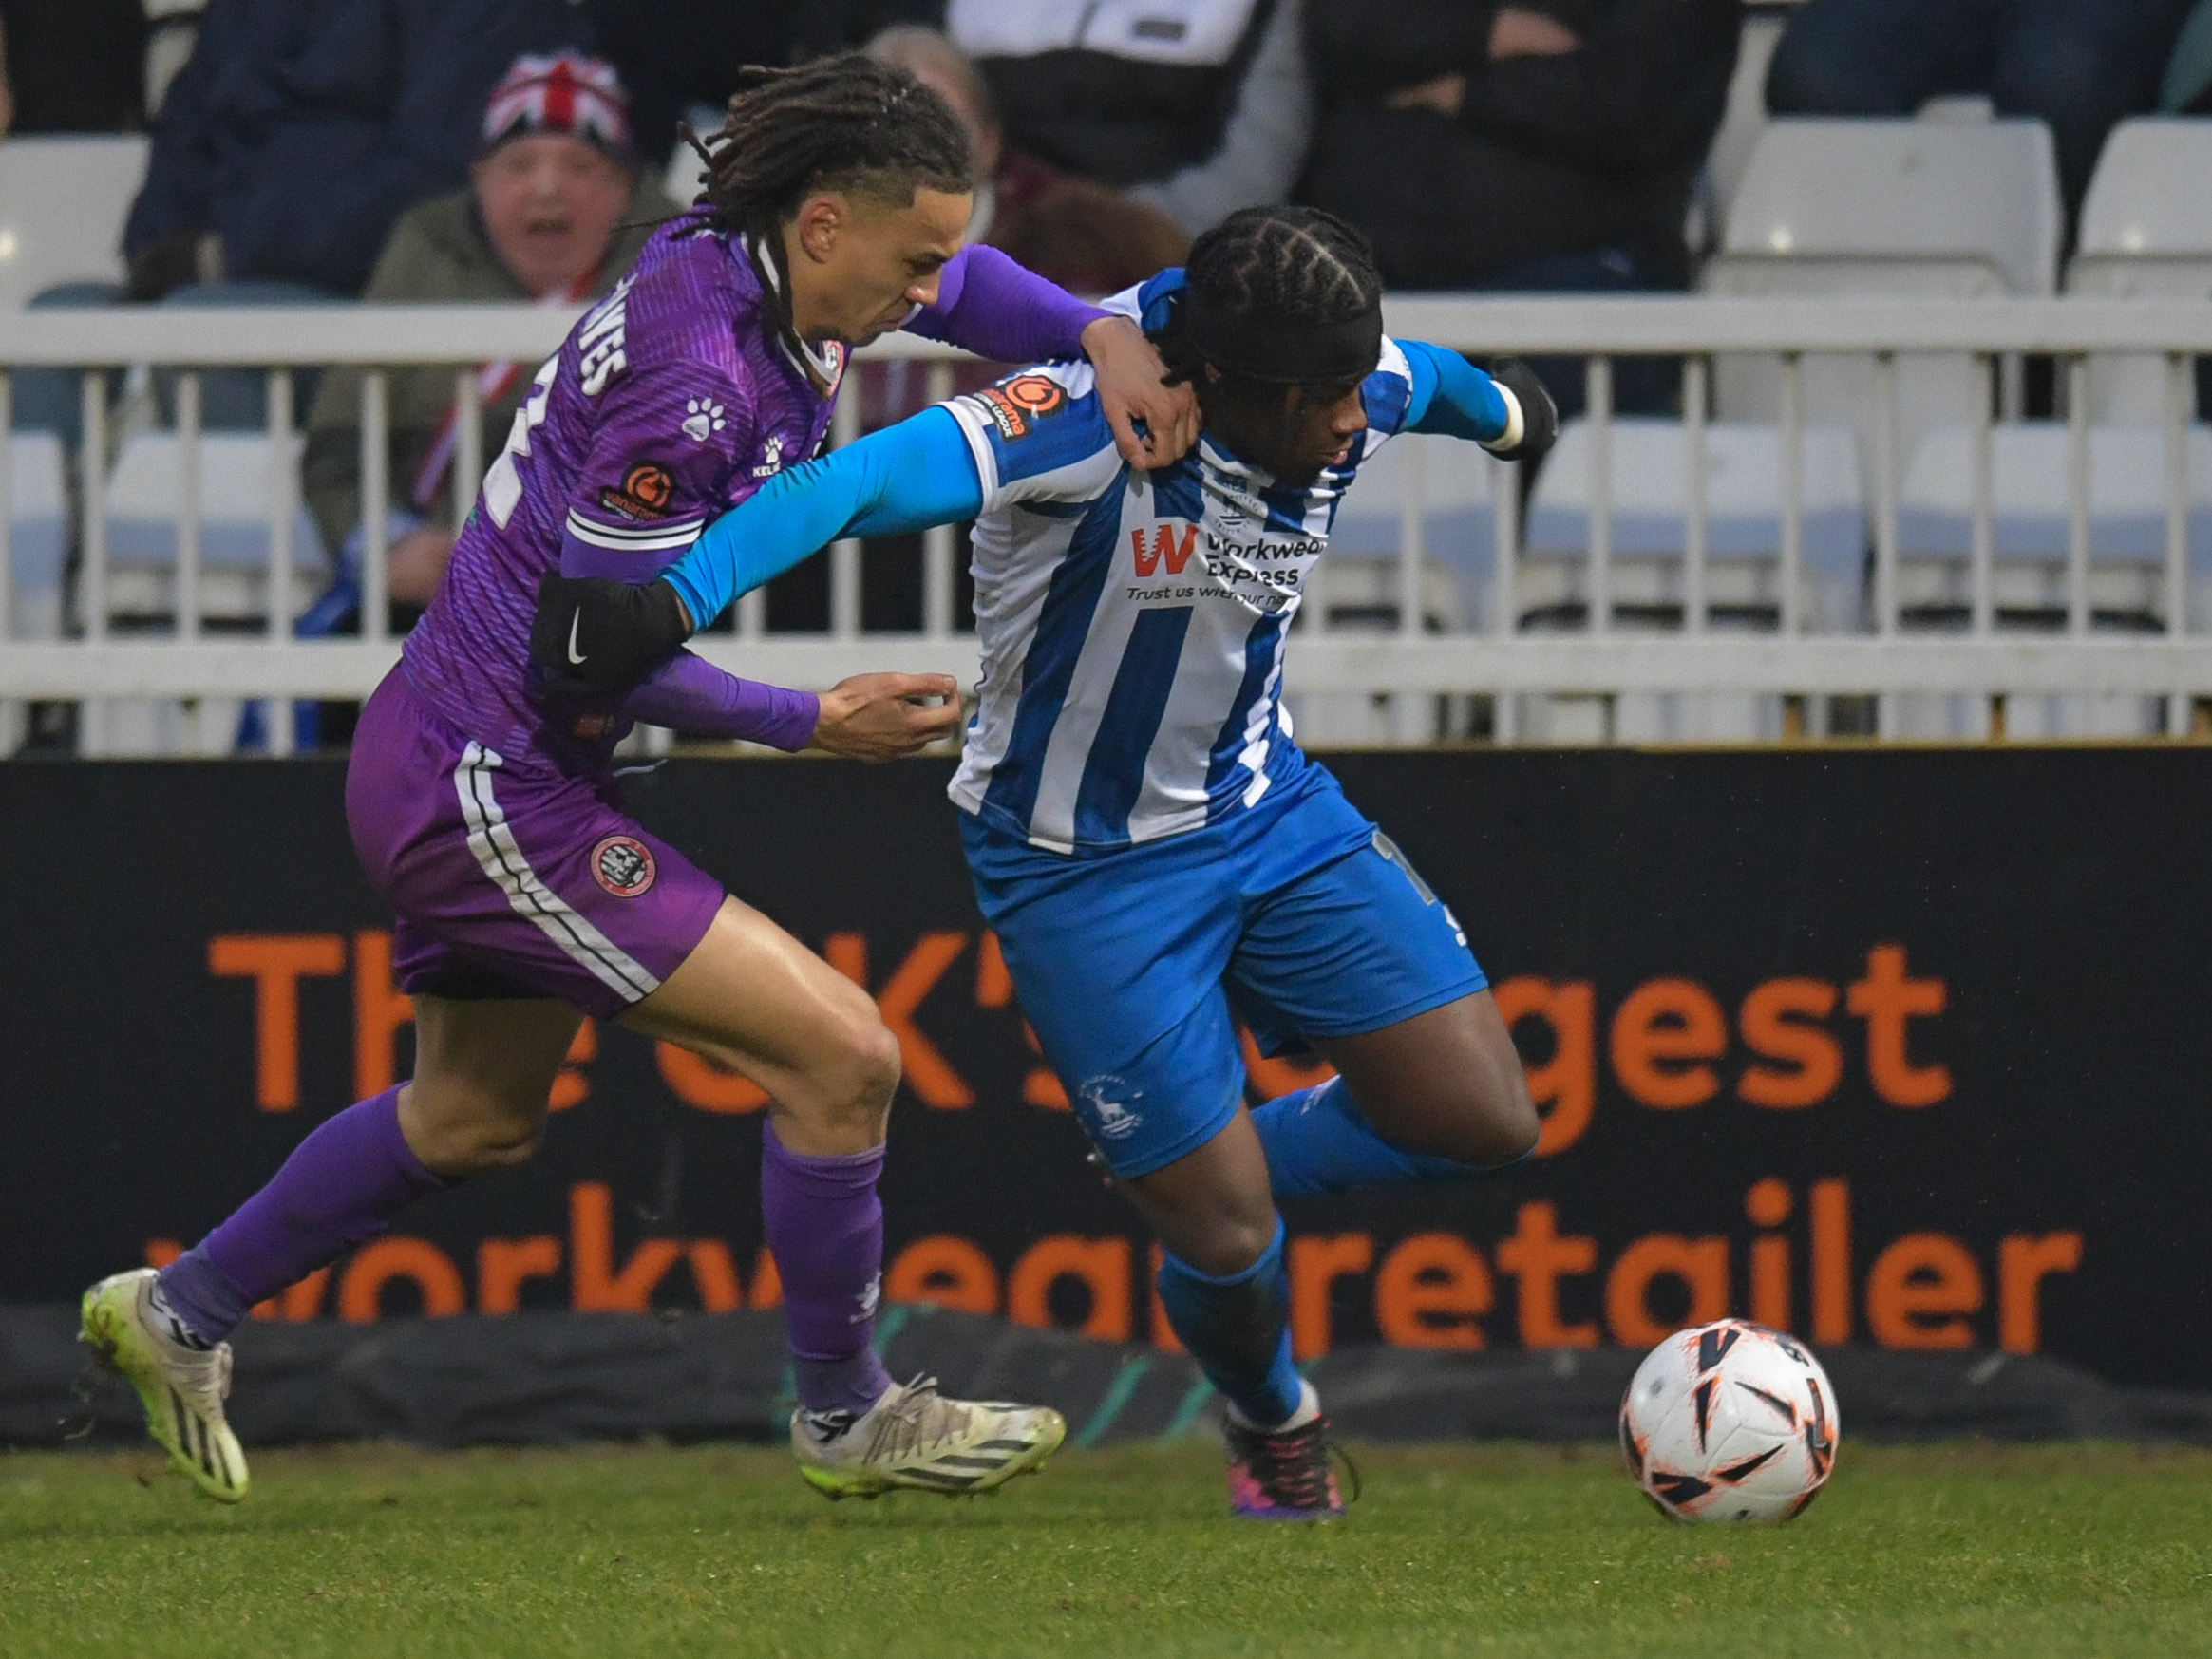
pixel 1299 910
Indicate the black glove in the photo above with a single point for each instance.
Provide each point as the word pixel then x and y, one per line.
pixel 595 636
pixel 1540 416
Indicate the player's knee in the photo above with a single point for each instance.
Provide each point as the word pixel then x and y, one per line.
pixel 874 1063
pixel 466 1133
pixel 850 1084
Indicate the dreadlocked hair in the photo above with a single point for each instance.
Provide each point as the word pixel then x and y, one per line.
pixel 1294 267
pixel 846 123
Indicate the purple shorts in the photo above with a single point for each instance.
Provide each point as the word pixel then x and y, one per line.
pixel 511 879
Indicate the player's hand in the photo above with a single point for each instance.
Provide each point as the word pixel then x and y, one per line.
pixel 1538 421
pixel 876 717
pixel 1132 387
pixel 595 636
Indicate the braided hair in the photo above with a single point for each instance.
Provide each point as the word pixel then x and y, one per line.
pixel 846 123
pixel 1278 267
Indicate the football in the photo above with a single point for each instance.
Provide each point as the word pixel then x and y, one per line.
pixel 1730 1422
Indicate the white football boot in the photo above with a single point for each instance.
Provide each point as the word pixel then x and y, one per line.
pixel 181 1386
pixel 916 1438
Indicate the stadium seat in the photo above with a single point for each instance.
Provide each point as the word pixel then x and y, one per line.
pixel 38 528
pixel 62 201
pixel 2146 233
pixel 2029 530
pixel 1358 586
pixel 1907 208
pixel 1649 516
pixel 143 514
pixel 2031 517
pixel 142 499
pixel 1459 523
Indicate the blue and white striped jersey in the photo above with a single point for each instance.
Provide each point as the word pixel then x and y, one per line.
pixel 1133 624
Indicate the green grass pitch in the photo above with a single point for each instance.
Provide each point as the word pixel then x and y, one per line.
pixel 607 1552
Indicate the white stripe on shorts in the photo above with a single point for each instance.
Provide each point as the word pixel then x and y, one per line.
pixel 500 858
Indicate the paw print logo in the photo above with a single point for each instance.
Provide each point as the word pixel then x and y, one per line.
pixel 701 417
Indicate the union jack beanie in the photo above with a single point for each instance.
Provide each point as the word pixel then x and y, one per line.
pixel 567 95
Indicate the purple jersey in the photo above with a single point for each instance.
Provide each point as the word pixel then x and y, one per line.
pixel 671 401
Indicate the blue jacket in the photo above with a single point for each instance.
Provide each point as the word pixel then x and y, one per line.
pixel 301 129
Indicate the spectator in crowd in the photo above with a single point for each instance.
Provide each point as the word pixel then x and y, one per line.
pixel 2081 65
pixel 301 129
pixel 1508 147
pixel 555 208
pixel 1088 237
pixel 1195 113
pixel 73 66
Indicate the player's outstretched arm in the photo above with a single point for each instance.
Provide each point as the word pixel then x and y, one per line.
pixel 995 308
pixel 1507 411
pixel 597 636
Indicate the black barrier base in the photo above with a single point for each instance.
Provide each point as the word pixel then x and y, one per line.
pixel 557 1379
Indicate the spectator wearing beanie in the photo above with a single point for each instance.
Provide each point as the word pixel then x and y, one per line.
pixel 556 210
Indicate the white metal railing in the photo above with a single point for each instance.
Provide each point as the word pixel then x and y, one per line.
pixel 1408 664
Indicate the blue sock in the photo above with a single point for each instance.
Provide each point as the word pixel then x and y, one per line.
pixel 1316 1140
pixel 1239 1330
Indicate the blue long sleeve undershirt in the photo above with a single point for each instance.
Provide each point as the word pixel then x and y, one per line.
pixel 920 473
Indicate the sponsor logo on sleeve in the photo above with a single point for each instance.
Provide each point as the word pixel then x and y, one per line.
pixel 1017 405
pixel 771 457
pixel 623 865
pixel 644 493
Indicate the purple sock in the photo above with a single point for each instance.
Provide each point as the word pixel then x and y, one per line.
pixel 342 1185
pixel 824 1226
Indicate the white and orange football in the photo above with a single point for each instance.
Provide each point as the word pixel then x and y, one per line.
pixel 1730 1422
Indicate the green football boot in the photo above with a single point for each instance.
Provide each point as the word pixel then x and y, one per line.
pixel 916 1439
pixel 180 1384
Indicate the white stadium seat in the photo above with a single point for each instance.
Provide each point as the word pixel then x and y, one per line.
pixel 2029 534
pixel 143 496
pixel 2031 517
pixel 143 510
pixel 1649 501
pixel 63 202
pixel 1458 517
pixel 2146 234
pixel 1908 208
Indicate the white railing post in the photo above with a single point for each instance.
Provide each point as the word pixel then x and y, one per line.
pixel 2177 525
pixel 1598 394
pixel 10 714
pixel 278 605
pixel 937 541
pixel 1694 526
pixel 1886 496
pixel 1982 575
pixel 375 503
pixel 1407 707
pixel 467 444
pixel 1506 539
pixel 2077 496
pixel 845 554
pixel 93 549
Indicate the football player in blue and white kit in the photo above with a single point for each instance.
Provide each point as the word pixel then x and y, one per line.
pixel 1154 852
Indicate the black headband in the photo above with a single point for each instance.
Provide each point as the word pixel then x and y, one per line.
pixel 1284 354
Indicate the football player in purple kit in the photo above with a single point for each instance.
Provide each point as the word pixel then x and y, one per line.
pixel 488 815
